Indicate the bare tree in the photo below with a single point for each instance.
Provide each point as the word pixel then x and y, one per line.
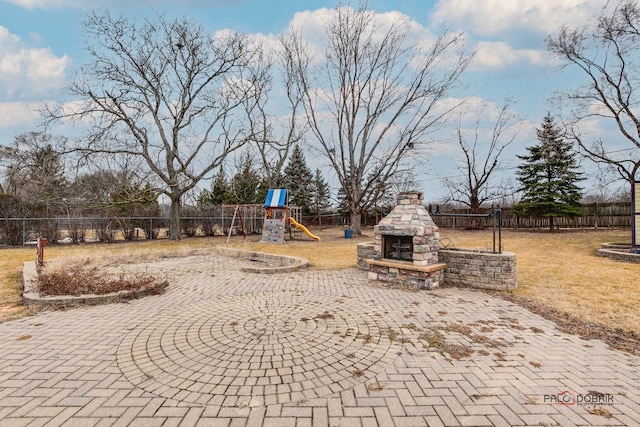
pixel 34 171
pixel 167 91
pixel 372 100
pixel 274 137
pixel 607 186
pixel 482 149
pixel 95 184
pixel 607 53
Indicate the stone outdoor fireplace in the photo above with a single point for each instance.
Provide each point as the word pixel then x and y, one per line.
pixel 406 246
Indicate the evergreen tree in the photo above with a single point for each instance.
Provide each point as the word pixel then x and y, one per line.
pixel 320 196
pixel 548 177
pixel 298 179
pixel 246 185
pixel 218 192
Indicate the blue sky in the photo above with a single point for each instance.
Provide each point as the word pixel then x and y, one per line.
pixel 42 44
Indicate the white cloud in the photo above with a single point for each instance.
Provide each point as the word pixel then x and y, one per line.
pixel 27 72
pixel 494 17
pixel 84 4
pixel 476 117
pixel 7 39
pixel 496 55
pixel 18 114
pixel 29 4
pixel 313 24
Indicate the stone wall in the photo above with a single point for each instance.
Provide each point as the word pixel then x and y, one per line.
pixel 271 263
pixel 476 269
pixel 479 269
pixel 619 252
pixel 365 251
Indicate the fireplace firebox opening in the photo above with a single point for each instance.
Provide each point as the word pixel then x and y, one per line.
pixel 398 248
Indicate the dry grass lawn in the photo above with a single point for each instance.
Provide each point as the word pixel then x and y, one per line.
pixel 559 271
pixel 562 271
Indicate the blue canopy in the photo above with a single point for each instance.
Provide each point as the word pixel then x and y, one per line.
pixel 276 198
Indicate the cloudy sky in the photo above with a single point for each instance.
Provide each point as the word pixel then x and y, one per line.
pixel 42 44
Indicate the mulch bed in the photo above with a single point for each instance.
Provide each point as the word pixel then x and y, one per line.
pixel 78 280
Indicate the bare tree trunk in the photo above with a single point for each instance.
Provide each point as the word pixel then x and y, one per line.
pixel 475 209
pixel 551 225
pixel 175 231
pixel 356 221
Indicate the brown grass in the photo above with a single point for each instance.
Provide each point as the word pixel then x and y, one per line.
pixel 562 271
pixel 558 271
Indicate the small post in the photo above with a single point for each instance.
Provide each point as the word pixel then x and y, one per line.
pixel 500 230
pixel 42 242
pixel 493 214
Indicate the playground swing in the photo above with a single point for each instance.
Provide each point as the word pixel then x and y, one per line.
pixel 246 215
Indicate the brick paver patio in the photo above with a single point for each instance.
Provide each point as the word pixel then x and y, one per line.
pixel 313 348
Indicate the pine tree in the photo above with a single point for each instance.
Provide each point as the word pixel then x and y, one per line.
pixel 298 179
pixel 548 176
pixel 320 196
pixel 218 192
pixel 246 185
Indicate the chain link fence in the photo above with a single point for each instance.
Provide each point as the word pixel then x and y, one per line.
pixel 25 231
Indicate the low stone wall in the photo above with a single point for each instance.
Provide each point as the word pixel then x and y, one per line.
pixel 615 245
pixel 476 269
pixel 479 269
pixel 31 295
pixel 270 263
pixel 619 252
pixel 365 251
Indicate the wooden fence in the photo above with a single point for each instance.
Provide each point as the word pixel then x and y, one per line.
pixel 594 215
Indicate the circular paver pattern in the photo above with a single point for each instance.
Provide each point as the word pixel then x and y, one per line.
pixel 259 348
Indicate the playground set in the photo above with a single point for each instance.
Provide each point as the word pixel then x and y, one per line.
pixel 277 212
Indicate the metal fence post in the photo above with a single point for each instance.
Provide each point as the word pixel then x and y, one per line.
pixel 499 229
pixel 493 214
